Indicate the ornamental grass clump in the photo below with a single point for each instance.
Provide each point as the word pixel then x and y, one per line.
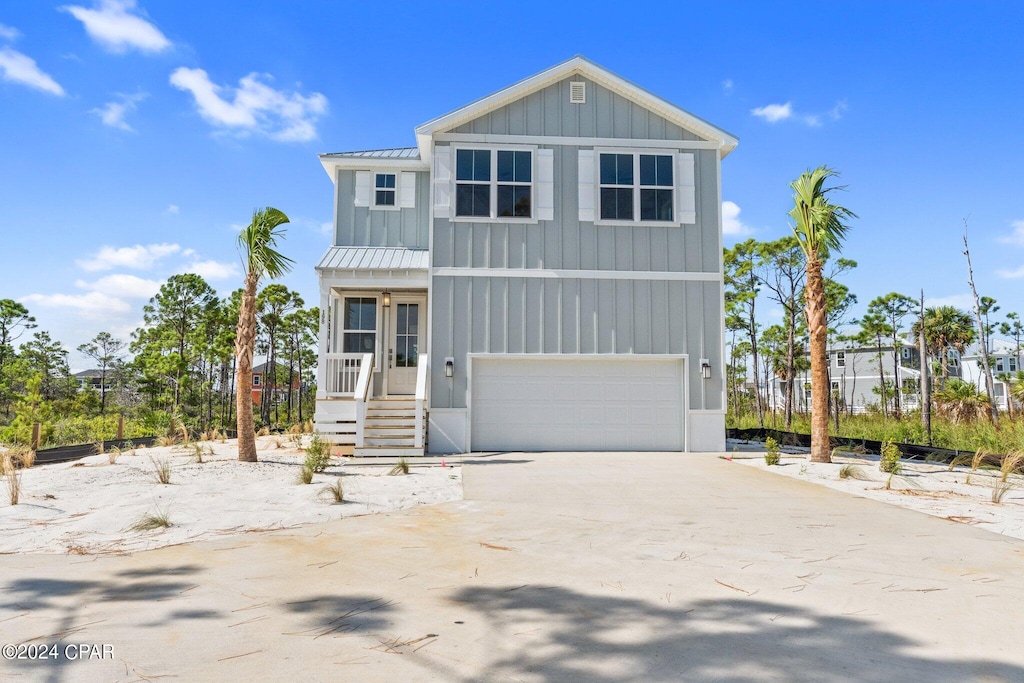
pixel 333 492
pixel 771 451
pixel 401 467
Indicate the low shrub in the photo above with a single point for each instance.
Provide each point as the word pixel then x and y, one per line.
pixel 771 451
pixel 889 462
pixel 318 454
pixel 305 475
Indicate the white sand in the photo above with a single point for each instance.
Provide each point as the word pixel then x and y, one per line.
pixel 87 506
pixel 960 495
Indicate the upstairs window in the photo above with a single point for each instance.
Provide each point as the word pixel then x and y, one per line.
pixel 1013 364
pixel 256 380
pixel 999 365
pixel 636 187
pixel 493 183
pixel 840 359
pixel 384 189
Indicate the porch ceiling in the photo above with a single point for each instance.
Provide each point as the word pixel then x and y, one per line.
pixel 374 258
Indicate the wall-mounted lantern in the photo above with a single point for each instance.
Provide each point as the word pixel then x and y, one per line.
pixel 705 368
pixel 449 367
pixel 387 299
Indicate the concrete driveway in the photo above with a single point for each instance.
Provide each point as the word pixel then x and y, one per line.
pixel 556 567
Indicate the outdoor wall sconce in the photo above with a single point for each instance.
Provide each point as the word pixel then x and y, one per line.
pixel 449 367
pixel 387 299
pixel 705 368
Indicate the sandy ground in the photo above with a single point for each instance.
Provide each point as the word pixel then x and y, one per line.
pixel 960 495
pixel 88 506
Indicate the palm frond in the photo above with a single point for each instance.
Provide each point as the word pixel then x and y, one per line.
pixel 257 243
pixel 819 225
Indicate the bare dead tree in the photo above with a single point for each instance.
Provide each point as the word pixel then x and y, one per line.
pixel 982 336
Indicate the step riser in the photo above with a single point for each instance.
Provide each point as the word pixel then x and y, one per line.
pixel 387 452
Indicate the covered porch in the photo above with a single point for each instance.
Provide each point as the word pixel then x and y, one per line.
pixel 372 369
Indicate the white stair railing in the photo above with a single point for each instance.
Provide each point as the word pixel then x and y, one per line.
pixel 343 371
pixel 422 380
pixel 361 392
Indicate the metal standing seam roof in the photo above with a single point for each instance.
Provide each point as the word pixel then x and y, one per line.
pixel 374 258
pixel 391 153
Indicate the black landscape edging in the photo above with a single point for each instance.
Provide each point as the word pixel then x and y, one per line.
pixel 46 456
pixel 910 451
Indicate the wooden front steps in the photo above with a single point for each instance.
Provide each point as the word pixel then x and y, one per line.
pixel 390 429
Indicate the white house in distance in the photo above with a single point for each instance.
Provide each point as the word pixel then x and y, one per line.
pixel 1005 359
pixel 541 272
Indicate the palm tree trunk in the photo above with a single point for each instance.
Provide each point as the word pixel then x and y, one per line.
pixel 245 344
pixel 818 330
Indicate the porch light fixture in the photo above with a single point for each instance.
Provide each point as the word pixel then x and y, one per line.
pixel 387 299
pixel 449 367
pixel 705 368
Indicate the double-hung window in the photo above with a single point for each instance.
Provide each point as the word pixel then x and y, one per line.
pixel 840 359
pixel 360 325
pixel 384 189
pixel 493 184
pixel 636 187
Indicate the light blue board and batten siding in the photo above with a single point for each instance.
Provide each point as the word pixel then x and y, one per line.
pixel 363 226
pixel 548 112
pixel 508 314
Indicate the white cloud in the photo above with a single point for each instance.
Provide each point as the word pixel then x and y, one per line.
pixel 18 68
pixel 122 285
pixel 836 112
pixel 9 32
pixel 212 270
pixel 962 301
pixel 731 223
pixel 173 208
pixel 253 106
pixel 773 113
pixel 1015 237
pixel 112 113
pixel 327 228
pixel 727 86
pixel 112 24
pixel 137 257
pixel 1014 274
pixel 91 305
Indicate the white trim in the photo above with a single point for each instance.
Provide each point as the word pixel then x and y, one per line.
pixel 719 236
pixel 568 140
pixel 411 279
pixel 687 276
pixel 577 65
pixel 493 184
pixel 334 164
pixel 684 357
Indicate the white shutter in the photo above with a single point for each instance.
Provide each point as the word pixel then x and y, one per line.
pixel 442 181
pixel 545 185
pixel 408 199
pixel 586 184
pixel 686 191
pixel 362 188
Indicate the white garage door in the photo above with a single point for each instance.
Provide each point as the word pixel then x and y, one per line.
pixel 566 404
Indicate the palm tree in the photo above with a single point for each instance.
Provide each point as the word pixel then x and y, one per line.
pixel 946 327
pixel 819 226
pixel 1015 387
pixel 259 258
pixel 961 401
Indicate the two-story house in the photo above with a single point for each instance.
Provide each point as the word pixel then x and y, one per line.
pixel 541 272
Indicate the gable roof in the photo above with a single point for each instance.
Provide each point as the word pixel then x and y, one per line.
pixel 584 67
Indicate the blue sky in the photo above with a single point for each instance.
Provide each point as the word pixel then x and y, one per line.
pixel 137 136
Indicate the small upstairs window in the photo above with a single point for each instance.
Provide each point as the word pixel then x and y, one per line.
pixel 384 189
pixel 840 359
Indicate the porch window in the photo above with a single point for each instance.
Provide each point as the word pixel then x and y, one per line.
pixel 384 189
pixel 360 325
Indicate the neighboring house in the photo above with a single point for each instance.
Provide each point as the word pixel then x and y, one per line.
pixel 855 376
pixel 93 378
pixel 542 272
pixel 1005 359
pixel 274 392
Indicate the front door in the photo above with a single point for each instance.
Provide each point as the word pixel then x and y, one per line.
pixel 406 339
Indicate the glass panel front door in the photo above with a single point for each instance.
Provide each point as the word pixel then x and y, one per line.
pixel 406 339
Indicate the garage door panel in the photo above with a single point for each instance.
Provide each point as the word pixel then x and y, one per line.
pixel 577 404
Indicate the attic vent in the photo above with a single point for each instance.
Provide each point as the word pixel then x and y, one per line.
pixel 577 92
